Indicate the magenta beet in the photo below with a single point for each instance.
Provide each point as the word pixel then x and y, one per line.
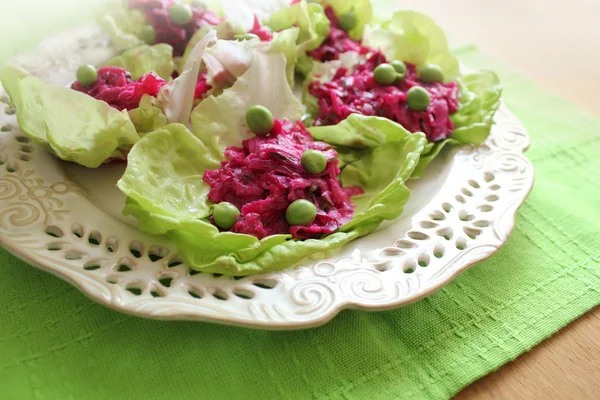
pixel 157 13
pixel 264 33
pixel 265 176
pixel 337 42
pixel 357 91
pixel 115 86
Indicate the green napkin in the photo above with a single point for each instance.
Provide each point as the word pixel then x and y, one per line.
pixel 56 344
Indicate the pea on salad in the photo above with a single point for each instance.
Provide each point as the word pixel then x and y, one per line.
pixel 87 74
pixel 260 120
pixel 181 13
pixel 225 215
pixel 301 212
pixel 314 161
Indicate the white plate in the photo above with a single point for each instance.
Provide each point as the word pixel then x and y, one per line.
pixel 66 220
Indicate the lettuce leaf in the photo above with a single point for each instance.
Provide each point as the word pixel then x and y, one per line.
pixel 309 18
pixel 177 99
pixel 147 117
pixel 241 13
pixel 378 155
pixel 224 31
pixel 143 59
pixel 75 126
pixel 413 37
pixel 480 94
pixel 479 100
pixel 163 182
pixel 122 25
pixel 220 121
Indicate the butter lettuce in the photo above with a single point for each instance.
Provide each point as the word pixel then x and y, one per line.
pixel 177 100
pixel 122 25
pixel 241 14
pixel 480 98
pixel 378 155
pixel 147 117
pixel 74 125
pixel 165 190
pixel 416 38
pixel 224 31
pixel 143 59
pixel 220 121
pixel 309 18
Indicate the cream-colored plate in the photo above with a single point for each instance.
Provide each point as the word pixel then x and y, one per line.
pixel 67 220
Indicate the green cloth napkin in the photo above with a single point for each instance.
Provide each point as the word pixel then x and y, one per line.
pixel 56 344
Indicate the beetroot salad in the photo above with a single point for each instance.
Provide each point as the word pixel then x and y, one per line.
pixel 337 42
pixel 265 176
pixel 168 31
pixel 263 33
pixel 115 87
pixel 357 91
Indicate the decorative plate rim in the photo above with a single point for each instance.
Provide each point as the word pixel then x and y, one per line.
pixel 452 232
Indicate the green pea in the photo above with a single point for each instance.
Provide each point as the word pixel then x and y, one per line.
pixel 148 34
pixel 260 120
pixel 400 68
pixel 418 98
pixel 385 74
pixel 245 36
pixel 87 74
pixel 225 215
pixel 301 212
pixel 314 161
pixel 347 21
pixel 431 74
pixel 181 13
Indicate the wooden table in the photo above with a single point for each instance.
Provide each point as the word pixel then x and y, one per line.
pixel 557 44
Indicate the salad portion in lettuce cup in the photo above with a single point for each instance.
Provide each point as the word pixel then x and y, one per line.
pixel 401 70
pixel 252 191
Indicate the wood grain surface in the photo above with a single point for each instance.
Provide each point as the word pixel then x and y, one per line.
pixel 557 44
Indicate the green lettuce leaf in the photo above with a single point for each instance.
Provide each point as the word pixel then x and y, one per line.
pixel 224 31
pixel 480 94
pixel 163 182
pixel 220 121
pixel 309 18
pixel 413 37
pixel 143 59
pixel 378 155
pixel 479 100
pixel 147 117
pixel 177 99
pixel 241 13
pixel 122 25
pixel 74 125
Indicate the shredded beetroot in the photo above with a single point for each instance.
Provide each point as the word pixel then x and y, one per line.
pixel 202 87
pixel 115 86
pixel 357 92
pixel 265 176
pixel 337 42
pixel 262 32
pixel 157 13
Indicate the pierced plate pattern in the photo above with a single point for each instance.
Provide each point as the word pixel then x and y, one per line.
pixel 460 213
